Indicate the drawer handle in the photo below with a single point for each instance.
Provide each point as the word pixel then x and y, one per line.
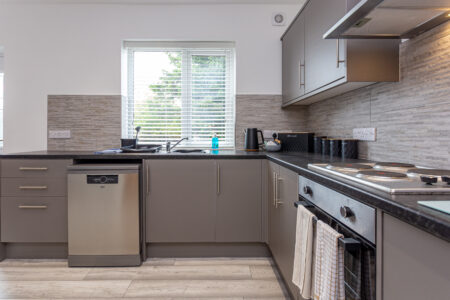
pixel 32 206
pixel 30 187
pixel 33 169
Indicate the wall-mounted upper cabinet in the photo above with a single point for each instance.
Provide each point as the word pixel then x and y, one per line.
pixel 294 60
pixel 315 69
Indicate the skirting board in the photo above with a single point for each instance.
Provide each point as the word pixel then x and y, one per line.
pixel 207 250
pixel 36 250
pixel 104 260
pixel 59 250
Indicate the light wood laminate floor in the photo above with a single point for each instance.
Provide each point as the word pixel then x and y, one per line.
pixel 180 278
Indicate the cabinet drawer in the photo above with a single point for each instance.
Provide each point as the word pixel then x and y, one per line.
pixel 34 187
pixel 34 219
pixel 34 167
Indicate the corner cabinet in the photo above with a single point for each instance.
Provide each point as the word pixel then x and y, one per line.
pixel 315 68
pixel 203 200
pixel 283 192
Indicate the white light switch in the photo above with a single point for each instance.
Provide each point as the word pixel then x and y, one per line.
pixel 59 134
pixel 365 134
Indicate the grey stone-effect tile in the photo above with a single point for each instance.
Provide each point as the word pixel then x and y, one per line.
pixel 94 121
pixel 265 112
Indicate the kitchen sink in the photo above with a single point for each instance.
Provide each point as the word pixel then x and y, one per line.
pixel 189 151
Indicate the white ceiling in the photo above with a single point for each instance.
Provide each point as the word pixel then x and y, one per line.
pixel 162 1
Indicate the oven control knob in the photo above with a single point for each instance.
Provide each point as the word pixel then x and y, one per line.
pixel 307 190
pixel 429 180
pixel 446 179
pixel 346 212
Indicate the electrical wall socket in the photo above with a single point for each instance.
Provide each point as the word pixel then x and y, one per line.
pixel 365 134
pixel 59 134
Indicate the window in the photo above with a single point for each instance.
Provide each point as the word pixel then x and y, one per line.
pixel 180 90
pixel 1 110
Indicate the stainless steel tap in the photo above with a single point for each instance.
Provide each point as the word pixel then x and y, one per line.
pixel 169 147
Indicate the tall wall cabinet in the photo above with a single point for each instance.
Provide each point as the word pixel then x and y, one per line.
pixel 315 69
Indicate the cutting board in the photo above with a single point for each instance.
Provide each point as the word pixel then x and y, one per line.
pixel 443 206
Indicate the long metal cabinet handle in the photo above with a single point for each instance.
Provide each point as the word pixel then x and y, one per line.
pixel 218 179
pixel 338 54
pixel 32 206
pixel 277 200
pixel 33 168
pixel 33 187
pixel 274 184
pixel 300 74
pixel 147 181
pixel 275 188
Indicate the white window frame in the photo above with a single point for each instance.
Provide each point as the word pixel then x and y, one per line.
pixel 188 49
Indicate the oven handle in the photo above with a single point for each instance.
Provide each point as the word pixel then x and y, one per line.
pixel 349 244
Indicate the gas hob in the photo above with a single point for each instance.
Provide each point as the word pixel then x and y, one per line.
pixel 389 177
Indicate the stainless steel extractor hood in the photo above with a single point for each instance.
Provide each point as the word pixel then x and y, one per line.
pixel 390 19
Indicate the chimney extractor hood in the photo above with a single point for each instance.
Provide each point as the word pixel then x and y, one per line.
pixel 392 19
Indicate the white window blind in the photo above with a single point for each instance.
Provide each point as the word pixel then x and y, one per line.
pixel 176 92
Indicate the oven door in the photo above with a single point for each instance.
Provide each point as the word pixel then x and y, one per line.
pixel 359 257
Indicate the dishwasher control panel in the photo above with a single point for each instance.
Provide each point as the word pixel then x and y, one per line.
pixel 102 179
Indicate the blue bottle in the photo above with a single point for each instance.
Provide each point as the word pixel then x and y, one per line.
pixel 215 143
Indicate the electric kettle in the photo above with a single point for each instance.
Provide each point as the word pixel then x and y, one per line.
pixel 251 139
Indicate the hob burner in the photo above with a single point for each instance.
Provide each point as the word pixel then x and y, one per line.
pixel 349 167
pixel 381 175
pixel 393 166
pixel 429 172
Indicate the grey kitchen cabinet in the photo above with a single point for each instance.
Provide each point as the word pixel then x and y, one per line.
pixel 238 206
pixel 325 58
pixel 412 265
pixel 283 192
pixel 34 219
pixel 331 67
pixel 34 200
pixel 180 204
pixel 203 200
pixel 293 61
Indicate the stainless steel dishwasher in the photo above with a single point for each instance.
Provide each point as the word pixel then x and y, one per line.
pixel 103 211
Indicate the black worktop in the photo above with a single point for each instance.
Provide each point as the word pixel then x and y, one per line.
pixel 404 207
pixel 222 154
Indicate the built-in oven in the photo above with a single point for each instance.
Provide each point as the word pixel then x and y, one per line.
pixel 356 222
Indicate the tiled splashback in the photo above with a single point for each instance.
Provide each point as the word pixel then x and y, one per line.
pixel 264 112
pixel 94 122
pixel 412 116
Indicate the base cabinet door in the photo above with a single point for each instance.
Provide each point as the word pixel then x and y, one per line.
pixel 239 194
pixel 282 222
pixel 287 195
pixel 180 204
pixel 416 264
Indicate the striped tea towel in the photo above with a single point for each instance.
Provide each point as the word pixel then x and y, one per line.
pixel 329 264
pixel 302 274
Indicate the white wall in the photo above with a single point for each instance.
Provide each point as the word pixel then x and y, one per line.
pixel 75 48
